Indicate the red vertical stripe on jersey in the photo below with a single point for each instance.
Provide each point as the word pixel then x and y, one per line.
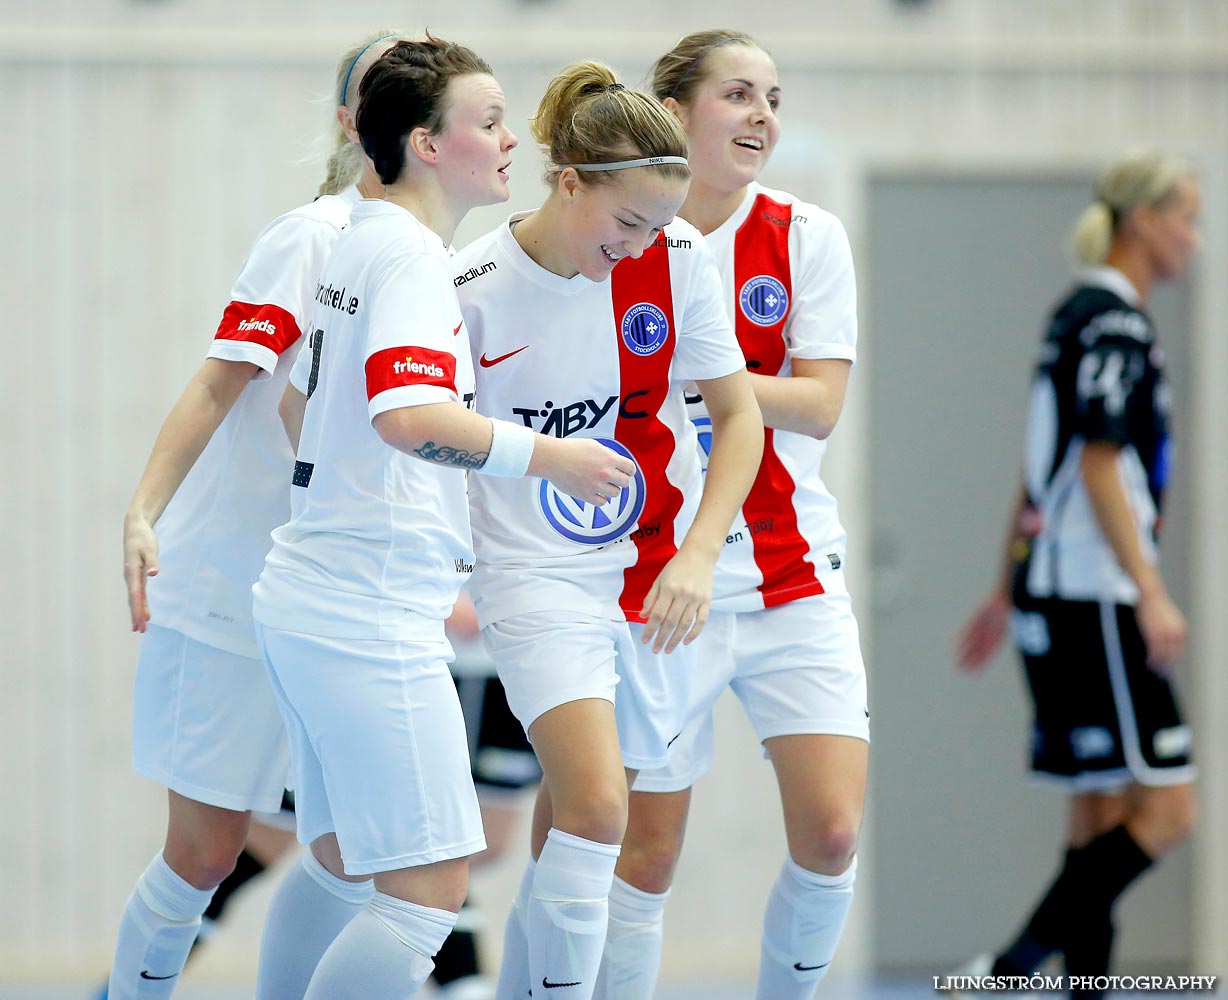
pixel 266 325
pixel 761 247
pixel 650 441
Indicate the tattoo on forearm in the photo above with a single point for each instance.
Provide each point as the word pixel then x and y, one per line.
pixel 444 455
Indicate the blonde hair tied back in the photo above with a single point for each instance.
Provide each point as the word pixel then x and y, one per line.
pixel 345 157
pixel 587 116
pixel 1143 177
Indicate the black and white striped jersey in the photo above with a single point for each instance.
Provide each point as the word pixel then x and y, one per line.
pixel 1099 378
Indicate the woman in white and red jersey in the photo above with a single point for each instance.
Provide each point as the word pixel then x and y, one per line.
pixel 782 633
pixel 205 723
pixel 351 604
pixel 587 318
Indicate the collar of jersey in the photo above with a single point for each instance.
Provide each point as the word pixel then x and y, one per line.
pixel 528 268
pixel 377 208
pixel 1112 279
pixel 740 214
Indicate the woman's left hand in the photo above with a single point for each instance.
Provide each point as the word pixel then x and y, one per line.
pixel 677 605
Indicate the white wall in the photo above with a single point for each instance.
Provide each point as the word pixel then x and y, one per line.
pixel 147 142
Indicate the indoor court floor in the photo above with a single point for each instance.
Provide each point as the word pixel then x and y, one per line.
pixel 913 987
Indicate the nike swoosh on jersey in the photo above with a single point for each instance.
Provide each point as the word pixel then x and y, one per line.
pixel 554 986
pixel 146 975
pixel 486 362
pixel 809 968
pixel 458 328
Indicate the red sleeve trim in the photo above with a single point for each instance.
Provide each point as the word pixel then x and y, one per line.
pixel 401 366
pixel 265 325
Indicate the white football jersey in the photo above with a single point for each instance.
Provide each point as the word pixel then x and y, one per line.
pixel 788 282
pixel 608 360
pixel 214 534
pixel 377 546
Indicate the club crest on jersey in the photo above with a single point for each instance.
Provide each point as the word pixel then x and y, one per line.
pixel 763 300
pixel 644 328
pixel 588 523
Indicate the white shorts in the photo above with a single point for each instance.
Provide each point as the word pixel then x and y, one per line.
pixel 796 668
pixel 549 658
pixel 378 746
pixel 205 724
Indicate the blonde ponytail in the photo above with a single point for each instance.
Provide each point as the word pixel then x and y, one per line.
pixel 1145 177
pixel 345 158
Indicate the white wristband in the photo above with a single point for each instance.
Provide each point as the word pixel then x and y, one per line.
pixel 511 449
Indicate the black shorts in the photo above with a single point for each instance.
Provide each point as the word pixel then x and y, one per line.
pixel 1104 719
pixel 501 756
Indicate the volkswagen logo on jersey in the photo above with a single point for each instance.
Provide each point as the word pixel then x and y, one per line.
pixel 644 328
pixel 703 427
pixel 588 523
pixel 764 300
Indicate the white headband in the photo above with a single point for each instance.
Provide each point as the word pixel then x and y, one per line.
pixel 646 161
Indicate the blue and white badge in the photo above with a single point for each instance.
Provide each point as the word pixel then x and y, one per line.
pixel 763 300
pixel 591 524
pixel 644 328
pixel 703 428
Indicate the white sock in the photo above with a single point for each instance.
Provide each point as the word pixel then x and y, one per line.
pixel 567 914
pixel 384 953
pixel 801 928
pixel 310 908
pixel 514 969
pixel 159 923
pixel 632 956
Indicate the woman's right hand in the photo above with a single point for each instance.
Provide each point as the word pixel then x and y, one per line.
pixel 981 636
pixel 140 563
pixel 582 468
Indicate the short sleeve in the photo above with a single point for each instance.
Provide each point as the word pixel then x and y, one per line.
pixel 706 346
pixel 823 315
pixel 1112 383
pixel 413 333
pixel 271 299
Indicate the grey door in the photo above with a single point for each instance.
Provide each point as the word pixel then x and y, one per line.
pixel 959 273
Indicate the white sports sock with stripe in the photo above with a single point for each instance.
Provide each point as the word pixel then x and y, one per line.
pixel 632 956
pixel 384 953
pixel 805 915
pixel 310 908
pixel 514 969
pixel 159 923
pixel 567 914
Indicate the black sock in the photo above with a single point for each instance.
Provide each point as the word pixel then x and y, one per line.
pixel 1082 895
pixel 246 869
pixel 457 958
pixel 1027 953
pixel 1089 954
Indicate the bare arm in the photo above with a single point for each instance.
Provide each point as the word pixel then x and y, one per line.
pixel 809 402
pixel 291 409
pixel 676 606
pixel 982 634
pixel 448 434
pixel 205 401
pixel 1159 619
